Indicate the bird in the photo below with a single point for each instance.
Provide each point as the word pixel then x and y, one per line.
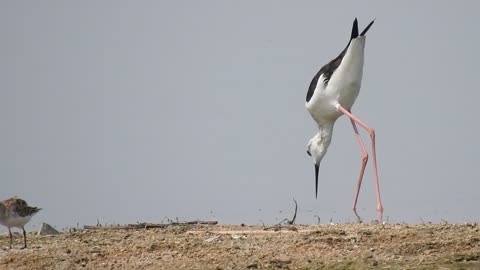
pixel 331 94
pixel 15 212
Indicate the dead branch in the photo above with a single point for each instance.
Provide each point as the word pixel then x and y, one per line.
pixel 278 226
pixel 196 222
pixel 291 222
pixel 149 225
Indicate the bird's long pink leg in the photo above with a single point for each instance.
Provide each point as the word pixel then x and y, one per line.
pixel 371 132
pixel 362 169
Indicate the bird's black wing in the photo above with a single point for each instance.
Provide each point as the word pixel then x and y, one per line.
pixel 329 68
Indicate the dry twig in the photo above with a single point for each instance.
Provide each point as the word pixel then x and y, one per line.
pixel 150 225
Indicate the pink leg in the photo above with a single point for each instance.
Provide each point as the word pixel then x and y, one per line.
pixel 371 132
pixel 362 169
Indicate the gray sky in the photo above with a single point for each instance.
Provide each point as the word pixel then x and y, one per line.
pixel 138 111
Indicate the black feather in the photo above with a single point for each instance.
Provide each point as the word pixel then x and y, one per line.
pixel 354 29
pixel 366 29
pixel 327 72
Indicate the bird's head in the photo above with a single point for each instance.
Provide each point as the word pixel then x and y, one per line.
pixel 317 148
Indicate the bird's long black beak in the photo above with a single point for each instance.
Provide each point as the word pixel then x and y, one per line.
pixel 316 180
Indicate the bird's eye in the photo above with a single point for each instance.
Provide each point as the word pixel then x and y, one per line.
pixel 308 152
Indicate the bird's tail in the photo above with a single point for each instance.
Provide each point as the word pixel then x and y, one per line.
pixel 32 210
pixel 355 29
pixel 366 29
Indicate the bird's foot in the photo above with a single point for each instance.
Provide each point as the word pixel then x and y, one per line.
pixel 380 214
pixel 359 219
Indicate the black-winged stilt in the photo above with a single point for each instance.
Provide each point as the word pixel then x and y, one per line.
pixel 331 94
pixel 15 212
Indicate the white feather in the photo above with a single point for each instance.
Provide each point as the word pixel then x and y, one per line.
pixel 15 221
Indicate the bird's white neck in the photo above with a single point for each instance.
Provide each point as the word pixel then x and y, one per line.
pixel 321 141
pixel 325 132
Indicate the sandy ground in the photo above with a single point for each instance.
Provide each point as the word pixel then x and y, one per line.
pixel 345 246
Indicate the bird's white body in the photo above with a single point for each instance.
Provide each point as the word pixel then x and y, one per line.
pixel 342 88
pixel 15 221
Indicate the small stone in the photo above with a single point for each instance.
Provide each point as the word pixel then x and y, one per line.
pixel 213 238
pixel 237 236
pixel 47 229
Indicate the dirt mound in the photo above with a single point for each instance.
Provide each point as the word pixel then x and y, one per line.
pixel 345 246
